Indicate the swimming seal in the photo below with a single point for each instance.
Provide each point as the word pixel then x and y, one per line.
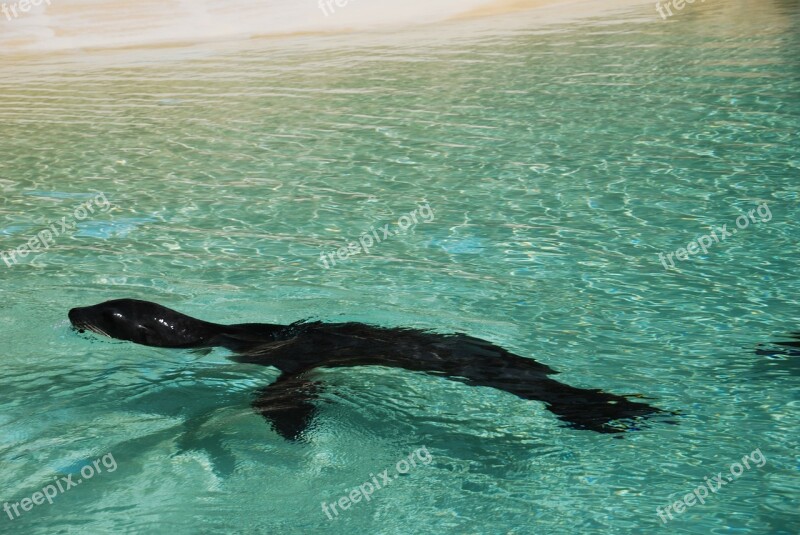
pixel 297 349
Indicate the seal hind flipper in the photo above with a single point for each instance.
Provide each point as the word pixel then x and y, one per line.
pixel 787 348
pixel 580 408
pixel 288 405
pixel 793 344
pixel 593 409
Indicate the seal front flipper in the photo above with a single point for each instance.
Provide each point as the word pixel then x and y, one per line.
pixel 288 405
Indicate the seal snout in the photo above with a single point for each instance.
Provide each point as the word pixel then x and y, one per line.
pixel 76 319
pixel 73 315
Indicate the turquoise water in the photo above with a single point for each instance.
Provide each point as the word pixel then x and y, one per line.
pixel 557 163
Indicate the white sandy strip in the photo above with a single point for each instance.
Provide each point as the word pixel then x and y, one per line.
pixel 80 24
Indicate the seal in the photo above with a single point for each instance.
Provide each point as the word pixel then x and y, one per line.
pixel 298 349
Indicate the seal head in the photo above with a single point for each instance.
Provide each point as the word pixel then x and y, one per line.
pixel 144 323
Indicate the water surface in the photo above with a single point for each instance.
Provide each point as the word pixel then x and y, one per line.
pixel 558 160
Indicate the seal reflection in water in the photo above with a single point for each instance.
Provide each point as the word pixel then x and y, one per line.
pixel 297 349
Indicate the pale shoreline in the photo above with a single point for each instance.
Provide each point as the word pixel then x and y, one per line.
pixel 78 26
pixel 501 7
